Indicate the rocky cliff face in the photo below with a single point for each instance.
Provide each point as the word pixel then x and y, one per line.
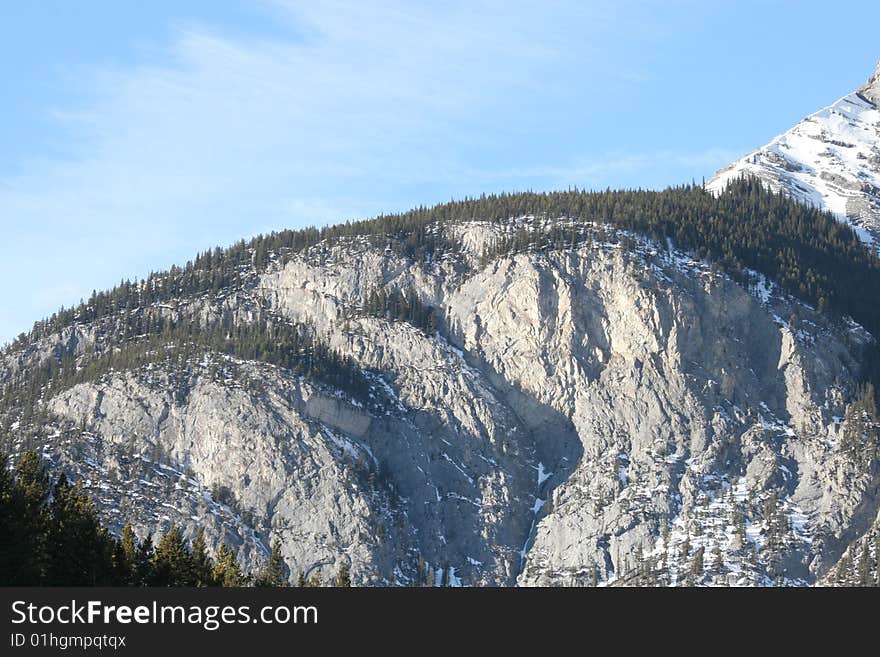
pixel 830 160
pixel 591 415
pixel 871 90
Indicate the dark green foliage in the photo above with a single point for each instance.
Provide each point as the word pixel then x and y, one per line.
pixel 201 564
pixel 227 572
pixel 51 543
pixel 12 543
pixel 62 543
pixel 800 247
pixel 129 558
pixel 861 429
pixel 343 577
pixel 314 582
pixel 143 565
pixel 697 565
pixel 401 306
pixel 177 344
pixel 33 482
pixel 25 522
pixel 172 560
pixel 806 251
pixel 274 573
pixel 80 552
pixel 860 564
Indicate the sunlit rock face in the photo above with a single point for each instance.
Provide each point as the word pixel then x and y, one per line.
pixel 591 415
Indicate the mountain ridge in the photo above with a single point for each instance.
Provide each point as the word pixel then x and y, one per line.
pixel 590 404
pixel 564 388
pixel 871 89
pixel 830 160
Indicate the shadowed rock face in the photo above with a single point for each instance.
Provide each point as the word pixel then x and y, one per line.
pixel 871 90
pixel 578 411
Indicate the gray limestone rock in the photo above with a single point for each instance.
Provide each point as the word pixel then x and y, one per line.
pixel 579 414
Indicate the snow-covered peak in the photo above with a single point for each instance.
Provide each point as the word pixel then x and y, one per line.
pixel 871 90
pixel 830 160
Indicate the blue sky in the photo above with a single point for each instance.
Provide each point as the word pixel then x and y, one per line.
pixel 133 135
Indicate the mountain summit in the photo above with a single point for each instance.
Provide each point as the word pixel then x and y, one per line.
pixel 871 90
pixel 830 160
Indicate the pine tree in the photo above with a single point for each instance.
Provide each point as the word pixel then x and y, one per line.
pixel 33 481
pixel 27 551
pixel 10 525
pixel 227 572
pixel 145 573
pixel 129 546
pixel 718 562
pixel 80 551
pixel 642 567
pixel 172 561
pixel 421 573
pixel 865 565
pixel 877 558
pixel 844 571
pixel 343 579
pixel 202 566
pixel 696 573
pixel 274 572
pixel 120 568
pixel 129 543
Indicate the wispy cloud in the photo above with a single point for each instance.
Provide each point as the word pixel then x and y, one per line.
pixel 596 171
pixel 361 107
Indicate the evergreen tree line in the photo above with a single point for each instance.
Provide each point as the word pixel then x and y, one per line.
pixel 401 306
pixel 807 251
pixel 52 536
pixel 861 429
pixel 179 344
pixel 860 566
pixel 695 565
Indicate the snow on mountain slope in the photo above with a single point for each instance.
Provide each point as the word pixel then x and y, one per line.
pixel 830 160
pixel 600 414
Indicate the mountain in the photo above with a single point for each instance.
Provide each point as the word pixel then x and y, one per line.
pixel 536 389
pixel 831 160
